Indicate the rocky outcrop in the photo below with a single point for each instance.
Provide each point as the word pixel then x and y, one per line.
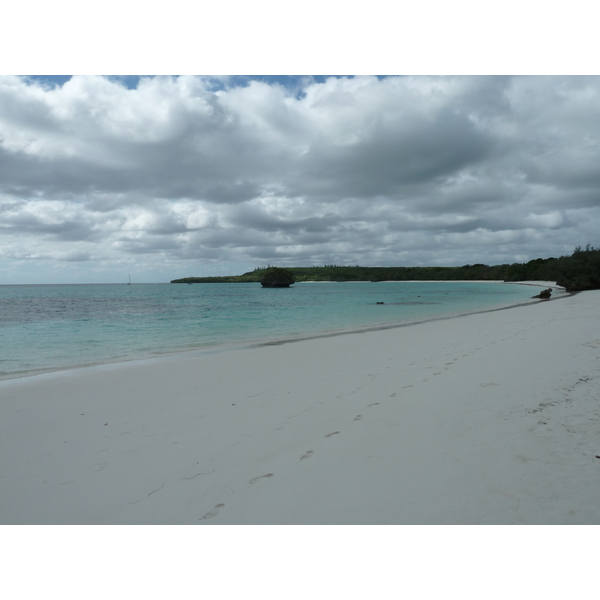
pixel 276 277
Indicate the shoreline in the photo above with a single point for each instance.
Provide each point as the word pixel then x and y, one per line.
pixel 247 344
pixel 490 418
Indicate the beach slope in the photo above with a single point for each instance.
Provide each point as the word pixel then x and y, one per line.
pixel 481 419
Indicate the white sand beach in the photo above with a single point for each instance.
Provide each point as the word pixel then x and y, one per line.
pixel 490 418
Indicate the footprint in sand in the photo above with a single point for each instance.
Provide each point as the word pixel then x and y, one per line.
pixel 358 417
pixel 306 455
pixel 330 434
pixel 374 404
pixel 211 514
pixel 392 395
pixel 256 479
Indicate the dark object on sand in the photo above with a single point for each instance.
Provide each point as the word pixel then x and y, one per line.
pixel 544 295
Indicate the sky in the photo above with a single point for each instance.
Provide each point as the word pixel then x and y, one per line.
pixel 460 156
pixel 169 176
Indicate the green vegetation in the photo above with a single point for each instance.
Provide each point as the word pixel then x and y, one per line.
pixel 246 278
pixel 580 271
pixel 276 277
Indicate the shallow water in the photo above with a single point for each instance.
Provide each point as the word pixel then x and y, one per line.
pixel 49 327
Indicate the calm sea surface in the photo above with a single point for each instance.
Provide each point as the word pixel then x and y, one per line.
pixel 49 327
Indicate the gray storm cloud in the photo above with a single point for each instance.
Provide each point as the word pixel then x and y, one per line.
pixel 178 174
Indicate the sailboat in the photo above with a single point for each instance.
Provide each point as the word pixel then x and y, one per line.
pixel 129 280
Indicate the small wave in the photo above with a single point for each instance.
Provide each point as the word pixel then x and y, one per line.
pixel 409 303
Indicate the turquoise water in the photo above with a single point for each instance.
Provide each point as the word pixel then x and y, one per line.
pixel 50 327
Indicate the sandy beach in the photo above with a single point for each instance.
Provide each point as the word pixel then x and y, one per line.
pixel 489 418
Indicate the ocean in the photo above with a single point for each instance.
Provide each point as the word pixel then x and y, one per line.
pixel 51 327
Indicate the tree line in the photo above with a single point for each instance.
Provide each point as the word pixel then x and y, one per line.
pixel 579 271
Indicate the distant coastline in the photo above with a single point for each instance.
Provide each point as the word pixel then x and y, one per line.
pixel 577 272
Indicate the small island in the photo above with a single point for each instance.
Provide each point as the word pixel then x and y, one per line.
pixel 275 277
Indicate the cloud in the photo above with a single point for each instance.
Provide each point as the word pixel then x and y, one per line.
pixel 363 170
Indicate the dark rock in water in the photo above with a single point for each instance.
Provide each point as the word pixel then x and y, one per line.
pixel 276 277
pixel 380 303
pixel 544 295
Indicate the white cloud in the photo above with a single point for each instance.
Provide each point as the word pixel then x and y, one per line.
pixel 178 174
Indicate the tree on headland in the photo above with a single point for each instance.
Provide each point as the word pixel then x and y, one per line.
pixel 581 270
